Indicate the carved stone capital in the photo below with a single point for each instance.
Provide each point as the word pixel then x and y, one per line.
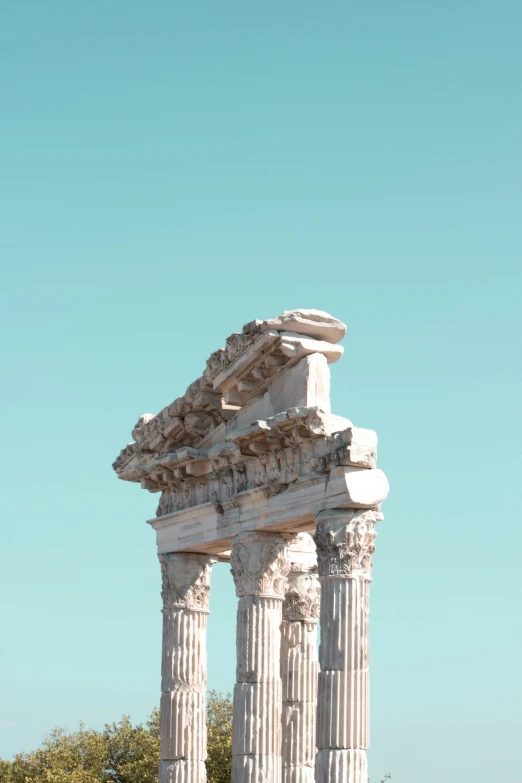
pixel 259 565
pixel 302 599
pixel 345 541
pixel 186 581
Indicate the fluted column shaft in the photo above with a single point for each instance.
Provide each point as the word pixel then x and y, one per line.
pixel 259 568
pixel 186 585
pixel 345 544
pixel 299 664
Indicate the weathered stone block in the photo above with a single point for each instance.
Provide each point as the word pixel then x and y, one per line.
pixel 184 660
pixel 258 618
pixel 298 725
pixel 343 709
pixel 341 766
pixel 306 384
pixel 256 769
pixel 298 774
pixel 352 487
pixel 183 726
pixel 257 718
pixel 182 771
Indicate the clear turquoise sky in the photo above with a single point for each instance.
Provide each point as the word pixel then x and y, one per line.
pixel 171 170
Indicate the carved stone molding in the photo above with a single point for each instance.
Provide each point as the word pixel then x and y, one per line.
pixel 186 581
pixel 190 477
pixel 169 463
pixel 251 360
pixel 259 565
pixel 345 541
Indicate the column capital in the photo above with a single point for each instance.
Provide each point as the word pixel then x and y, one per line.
pixel 186 581
pixel 302 597
pixel 345 541
pixel 259 564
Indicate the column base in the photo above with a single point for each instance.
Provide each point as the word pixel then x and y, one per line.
pixel 341 766
pixel 182 771
pixel 256 769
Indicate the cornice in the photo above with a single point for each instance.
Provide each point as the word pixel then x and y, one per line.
pixel 248 364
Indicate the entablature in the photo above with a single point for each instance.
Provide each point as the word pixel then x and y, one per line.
pixel 252 445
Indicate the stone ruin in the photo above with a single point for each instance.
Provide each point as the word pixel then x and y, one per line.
pixel 252 468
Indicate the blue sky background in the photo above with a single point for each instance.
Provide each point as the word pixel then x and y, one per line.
pixel 172 170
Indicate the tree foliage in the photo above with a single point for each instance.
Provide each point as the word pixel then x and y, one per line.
pixel 121 752
pixel 219 737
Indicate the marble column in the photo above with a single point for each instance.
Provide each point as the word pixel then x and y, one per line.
pixel 259 568
pixel 345 544
pixel 186 586
pixel 299 664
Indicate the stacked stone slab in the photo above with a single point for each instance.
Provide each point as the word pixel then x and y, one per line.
pixel 249 462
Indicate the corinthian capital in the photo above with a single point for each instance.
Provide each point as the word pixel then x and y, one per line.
pixel 345 541
pixel 303 591
pixel 302 599
pixel 259 564
pixel 186 581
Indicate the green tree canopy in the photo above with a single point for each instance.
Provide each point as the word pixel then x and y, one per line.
pixel 121 752
pixel 219 737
